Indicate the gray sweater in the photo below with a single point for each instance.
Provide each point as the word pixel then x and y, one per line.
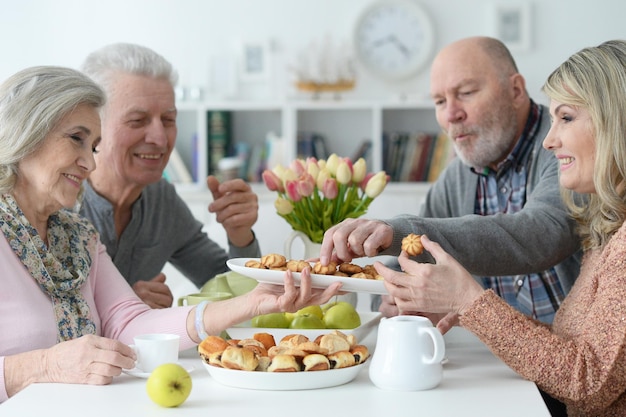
pixel 536 238
pixel 161 229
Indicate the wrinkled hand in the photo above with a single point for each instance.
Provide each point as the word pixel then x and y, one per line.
pixel 355 238
pixel 89 359
pixel 388 306
pixel 441 288
pixel 271 298
pixel 236 208
pixel 155 292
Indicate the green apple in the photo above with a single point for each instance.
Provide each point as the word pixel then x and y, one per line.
pixel 271 320
pixel 342 315
pixel 313 309
pixel 307 321
pixel 169 385
pixel 289 317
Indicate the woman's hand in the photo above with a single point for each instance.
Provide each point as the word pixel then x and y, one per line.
pixel 89 359
pixel 441 288
pixel 273 298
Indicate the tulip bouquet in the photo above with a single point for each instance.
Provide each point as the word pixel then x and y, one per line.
pixel 314 195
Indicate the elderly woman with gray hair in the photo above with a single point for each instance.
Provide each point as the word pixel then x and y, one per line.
pixel 66 313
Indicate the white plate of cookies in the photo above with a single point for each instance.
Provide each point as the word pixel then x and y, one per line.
pixel 357 282
pixel 294 362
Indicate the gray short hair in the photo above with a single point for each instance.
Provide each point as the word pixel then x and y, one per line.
pixel 32 102
pixel 128 58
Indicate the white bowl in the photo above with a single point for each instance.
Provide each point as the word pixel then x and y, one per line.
pixel 244 330
pixel 283 381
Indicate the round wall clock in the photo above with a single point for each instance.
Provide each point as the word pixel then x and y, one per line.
pixel 393 38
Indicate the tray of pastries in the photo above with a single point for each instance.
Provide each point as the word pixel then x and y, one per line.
pixel 294 362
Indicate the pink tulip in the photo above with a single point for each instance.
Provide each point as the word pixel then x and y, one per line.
pixel 291 188
pixel 330 189
pixel 306 185
pixel 344 173
pixel 297 166
pixel 272 181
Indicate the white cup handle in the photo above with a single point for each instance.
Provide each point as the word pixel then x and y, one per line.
pixel 438 343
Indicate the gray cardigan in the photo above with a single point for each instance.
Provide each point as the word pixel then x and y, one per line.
pixel 161 229
pixel 538 237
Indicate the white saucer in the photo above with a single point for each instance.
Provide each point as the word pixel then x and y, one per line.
pixel 141 374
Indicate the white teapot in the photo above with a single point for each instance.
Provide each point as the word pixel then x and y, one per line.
pixel 408 354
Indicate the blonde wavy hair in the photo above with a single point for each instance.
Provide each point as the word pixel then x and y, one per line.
pixel 595 79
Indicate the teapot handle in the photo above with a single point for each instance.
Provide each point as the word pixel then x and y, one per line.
pixel 438 343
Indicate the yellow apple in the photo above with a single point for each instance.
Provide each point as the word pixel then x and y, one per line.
pixel 271 320
pixel 307 321
pixel 169 385
pixel 342 315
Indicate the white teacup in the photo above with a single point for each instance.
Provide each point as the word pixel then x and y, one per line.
pixel 155 349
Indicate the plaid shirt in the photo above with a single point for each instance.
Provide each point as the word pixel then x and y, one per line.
pixel 504 191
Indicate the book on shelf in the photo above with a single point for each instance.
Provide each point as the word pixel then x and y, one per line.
pixel 416 157
pixel 441 156
pixel 219 140
pixel 311 144
pixel 363 151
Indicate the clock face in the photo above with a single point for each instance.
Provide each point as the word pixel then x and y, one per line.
pixel 393 38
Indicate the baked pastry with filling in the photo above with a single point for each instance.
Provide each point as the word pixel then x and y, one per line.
pixel 412 244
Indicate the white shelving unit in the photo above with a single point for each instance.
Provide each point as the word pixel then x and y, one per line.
pixel 344 124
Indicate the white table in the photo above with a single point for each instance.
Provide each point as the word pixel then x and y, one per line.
pixel 474 383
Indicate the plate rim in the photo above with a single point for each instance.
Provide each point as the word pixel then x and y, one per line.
pixel 349 284
pixel 284 381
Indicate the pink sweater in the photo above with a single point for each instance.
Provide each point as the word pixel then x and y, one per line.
pixel 581 359
pixel 27 321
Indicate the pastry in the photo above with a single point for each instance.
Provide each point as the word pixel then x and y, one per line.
pixel 211 345
pixel 273 260
pixel 341 359
pixel 412 244
pixel 320 269
pixel 360 353
pixel 283 363
pixel 252 263
pixel 254 345
pixel 349 268
pixel 297 266
pixel 316 362
pixel 334 343
pixel 265 338
pixel 236 357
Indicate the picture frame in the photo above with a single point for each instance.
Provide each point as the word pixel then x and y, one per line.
pixel 254 62
pixel 512 25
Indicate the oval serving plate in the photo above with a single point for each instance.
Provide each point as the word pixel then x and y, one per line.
pixel 283 381
pixel 371 286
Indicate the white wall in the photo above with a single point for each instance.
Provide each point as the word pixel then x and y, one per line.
pixel 189 32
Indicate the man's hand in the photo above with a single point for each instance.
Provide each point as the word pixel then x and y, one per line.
pixel 155 292
pixel 236 207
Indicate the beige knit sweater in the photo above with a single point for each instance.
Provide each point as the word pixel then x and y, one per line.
pixel 581 358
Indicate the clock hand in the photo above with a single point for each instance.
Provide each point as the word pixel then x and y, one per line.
pixel 382 41
pixel 400 45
